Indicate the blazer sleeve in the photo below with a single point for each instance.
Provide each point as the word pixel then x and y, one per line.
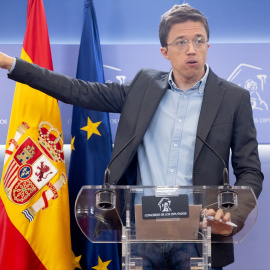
pixel 245 157
pixel 107 97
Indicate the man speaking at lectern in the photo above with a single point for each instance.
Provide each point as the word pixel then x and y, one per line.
pixel 161 115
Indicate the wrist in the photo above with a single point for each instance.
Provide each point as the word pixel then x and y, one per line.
pixel 8 63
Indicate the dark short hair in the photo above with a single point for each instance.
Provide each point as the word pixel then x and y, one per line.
pixel 179 14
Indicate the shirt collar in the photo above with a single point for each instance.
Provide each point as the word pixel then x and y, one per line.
pixel 200 85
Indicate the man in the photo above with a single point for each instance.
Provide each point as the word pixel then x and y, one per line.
pixel 161 115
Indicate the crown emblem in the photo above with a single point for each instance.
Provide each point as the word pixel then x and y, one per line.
pixel 51 141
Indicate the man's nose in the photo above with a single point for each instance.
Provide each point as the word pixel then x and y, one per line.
pixel 191 48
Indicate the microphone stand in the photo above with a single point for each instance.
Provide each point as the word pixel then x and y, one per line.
pixel 226 197
pixel 106 197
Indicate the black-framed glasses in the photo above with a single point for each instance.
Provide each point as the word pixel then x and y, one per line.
pixel 199 43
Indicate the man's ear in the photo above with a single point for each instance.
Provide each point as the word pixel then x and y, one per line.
pixel 164 52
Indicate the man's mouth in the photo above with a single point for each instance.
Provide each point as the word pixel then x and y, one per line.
pixel 192 62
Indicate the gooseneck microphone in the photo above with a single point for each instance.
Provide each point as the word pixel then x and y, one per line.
pixel 106 197
pixel 227 197
pixel 225 170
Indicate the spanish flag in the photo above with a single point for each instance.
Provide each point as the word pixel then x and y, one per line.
pixel 34 203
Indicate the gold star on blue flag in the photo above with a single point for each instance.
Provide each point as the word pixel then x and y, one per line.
pixel 102 265
pixel 72 143
pixel 91 128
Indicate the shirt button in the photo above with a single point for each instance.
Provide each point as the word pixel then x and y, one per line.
pixel 175 145
pixel 179 120
pixel 171 170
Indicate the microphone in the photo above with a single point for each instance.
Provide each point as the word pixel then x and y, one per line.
pixel 227 198
pixel 106 197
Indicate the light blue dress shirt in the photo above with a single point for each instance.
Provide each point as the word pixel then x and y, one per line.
pixel 167 152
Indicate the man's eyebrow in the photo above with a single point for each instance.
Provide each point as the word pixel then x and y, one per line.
pixel 179 37
pixel 200 35
pixel 183 37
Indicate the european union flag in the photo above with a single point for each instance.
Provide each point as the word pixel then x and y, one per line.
pixel 91 147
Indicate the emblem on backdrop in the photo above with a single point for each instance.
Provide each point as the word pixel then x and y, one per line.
pixel 254 80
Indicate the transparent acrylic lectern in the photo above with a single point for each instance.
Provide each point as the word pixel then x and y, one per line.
pixel 140 216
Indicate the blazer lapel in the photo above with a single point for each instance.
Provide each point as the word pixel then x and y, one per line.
pixel 213 95
pixel 154 93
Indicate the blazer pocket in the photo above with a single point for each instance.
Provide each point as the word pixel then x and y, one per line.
pixel 223 120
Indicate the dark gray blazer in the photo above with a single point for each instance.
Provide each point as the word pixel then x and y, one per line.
pixel 225 122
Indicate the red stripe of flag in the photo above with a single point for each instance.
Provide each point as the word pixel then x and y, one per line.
pixel 38 48
pixel 10 174
pixel 12 240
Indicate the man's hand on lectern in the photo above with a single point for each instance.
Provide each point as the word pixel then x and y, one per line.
pixel 218 222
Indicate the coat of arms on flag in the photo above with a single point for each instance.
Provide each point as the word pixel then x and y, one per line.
pixel 31 168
